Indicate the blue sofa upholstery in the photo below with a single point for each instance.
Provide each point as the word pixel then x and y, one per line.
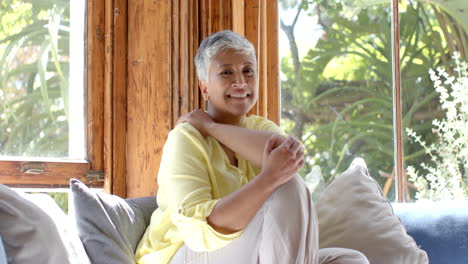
pixel 3 259
pixel 439 228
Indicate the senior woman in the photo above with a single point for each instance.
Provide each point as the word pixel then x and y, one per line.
pixel 228 185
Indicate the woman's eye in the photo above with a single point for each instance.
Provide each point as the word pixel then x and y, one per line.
pixel 249 71
pixel 226 72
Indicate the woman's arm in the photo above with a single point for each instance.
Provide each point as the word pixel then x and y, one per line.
pixel 234 212
pixel 246 142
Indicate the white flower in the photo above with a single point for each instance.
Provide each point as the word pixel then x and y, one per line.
pixel 443 178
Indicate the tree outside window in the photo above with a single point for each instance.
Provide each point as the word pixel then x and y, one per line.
pixel 336 93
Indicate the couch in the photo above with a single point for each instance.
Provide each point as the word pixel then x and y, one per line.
pixel 439 228
pixel 103 228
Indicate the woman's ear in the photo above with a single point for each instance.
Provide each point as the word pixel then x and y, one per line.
pixel 203 89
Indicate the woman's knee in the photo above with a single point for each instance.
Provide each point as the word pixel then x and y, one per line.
pixel 358 257
pixel 341 256
pixel 291 198
pixel 295 185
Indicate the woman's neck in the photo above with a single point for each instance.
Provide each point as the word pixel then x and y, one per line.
pixel 226 118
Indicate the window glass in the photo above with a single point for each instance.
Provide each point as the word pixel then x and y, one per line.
pixel 41 79
pixel 435 104
pixel 336 85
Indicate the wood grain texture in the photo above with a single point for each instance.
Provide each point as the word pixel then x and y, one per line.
pixel 149 83
pixel 108 86
pixel 238 8
pixel 175 47
pixel 204 17
pixel 261 28
pixel 262 60
pixel 119 100
pixel 251 27
pixel 216 19
pixel 193 48
pixel 184 89
pixel 95 83
pixel 272 69
pixel 226 11
pixel 54 175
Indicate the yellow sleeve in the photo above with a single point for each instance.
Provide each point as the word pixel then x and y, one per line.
pixel 185 175
pixel 262 124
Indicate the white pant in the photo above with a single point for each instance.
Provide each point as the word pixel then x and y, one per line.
pixel 284 231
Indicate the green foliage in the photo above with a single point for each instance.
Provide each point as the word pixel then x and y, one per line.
pixel 34 48
pixel 340 100
pixel 446 177
pixel 61 198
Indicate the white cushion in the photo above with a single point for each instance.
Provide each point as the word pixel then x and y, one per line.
pixel 353 213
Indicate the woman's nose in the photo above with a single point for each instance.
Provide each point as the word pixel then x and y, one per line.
pixel 239 81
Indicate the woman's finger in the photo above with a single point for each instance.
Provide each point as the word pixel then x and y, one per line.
pixel 300 153
pixel 287 143
pixel 300 164
pixel 295 147
pixel 271 143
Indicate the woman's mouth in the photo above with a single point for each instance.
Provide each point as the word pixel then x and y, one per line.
pixel 238 96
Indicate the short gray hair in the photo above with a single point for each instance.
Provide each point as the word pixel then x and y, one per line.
pixel 216 44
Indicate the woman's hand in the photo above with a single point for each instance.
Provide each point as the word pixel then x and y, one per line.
pixel 198 119
pixel 282 159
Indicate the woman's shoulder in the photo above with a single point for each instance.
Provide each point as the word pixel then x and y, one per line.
pixel 185 129
pixel 185 133
pixel 252 121
pixel 261 123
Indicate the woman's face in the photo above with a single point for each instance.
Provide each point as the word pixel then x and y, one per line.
pixel 232 86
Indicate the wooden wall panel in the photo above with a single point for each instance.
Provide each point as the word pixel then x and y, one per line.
pixel 262 60
pixel 175 39
pixel 272 64
pixel 227 16
pixel 216 15
pixel 149 94
pixel 185 41
pixel 261 28
pixel 238 8
pixel 251 15
pixel 119 100
pixel 162 82
pixel 184 89
pixel 95 81
pixel 108 87
pixel 194 40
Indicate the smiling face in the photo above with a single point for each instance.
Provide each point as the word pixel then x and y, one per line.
pixel 232 85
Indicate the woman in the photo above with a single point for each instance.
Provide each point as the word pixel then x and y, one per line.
pixel 228 185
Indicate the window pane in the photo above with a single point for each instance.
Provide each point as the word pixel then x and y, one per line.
pixel 336 85
pixel 435 115
pixel 41 79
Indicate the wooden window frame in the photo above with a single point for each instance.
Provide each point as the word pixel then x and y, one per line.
pixel 56 173
pixel 397 107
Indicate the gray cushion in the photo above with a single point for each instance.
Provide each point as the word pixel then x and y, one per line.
pixel 109 227
pixel 35 230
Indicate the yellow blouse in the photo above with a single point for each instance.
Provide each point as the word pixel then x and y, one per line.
pixel 195 173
